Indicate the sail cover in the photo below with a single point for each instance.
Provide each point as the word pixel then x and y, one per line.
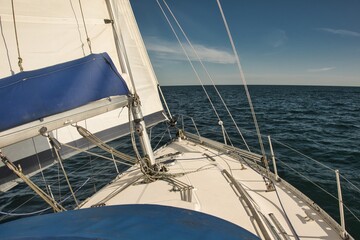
pixel 33 95
pixel 50 32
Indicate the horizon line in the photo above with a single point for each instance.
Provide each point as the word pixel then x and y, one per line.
pixel 294 85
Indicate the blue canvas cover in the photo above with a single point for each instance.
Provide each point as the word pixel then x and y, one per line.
pixel 133 221
pixel 33 95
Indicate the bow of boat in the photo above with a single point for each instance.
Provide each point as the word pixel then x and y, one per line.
pixel 201 175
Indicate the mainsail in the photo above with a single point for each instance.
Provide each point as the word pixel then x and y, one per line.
pixel 42 33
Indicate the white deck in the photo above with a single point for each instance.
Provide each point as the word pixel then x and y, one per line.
pixel 214 193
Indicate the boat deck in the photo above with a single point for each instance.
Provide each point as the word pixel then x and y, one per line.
pixel 205 179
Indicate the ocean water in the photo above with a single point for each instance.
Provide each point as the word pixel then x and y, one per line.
pixel 309 127
pixel 322 123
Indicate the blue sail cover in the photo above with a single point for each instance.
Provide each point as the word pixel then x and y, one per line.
pixel 33 95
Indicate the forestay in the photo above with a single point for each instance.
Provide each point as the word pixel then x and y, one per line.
pixel 49 32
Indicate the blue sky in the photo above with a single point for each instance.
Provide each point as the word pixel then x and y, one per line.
pixel 308 42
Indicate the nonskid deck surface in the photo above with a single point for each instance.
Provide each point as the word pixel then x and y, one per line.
pixel 212 184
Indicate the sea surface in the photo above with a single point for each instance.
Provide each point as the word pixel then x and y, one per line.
pixel 314 131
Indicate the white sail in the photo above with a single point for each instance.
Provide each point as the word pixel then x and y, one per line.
pixel 50 32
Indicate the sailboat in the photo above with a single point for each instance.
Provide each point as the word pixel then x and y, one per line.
pixel 75 75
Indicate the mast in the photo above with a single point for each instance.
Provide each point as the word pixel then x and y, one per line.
pixel 135 105
pixel 140 129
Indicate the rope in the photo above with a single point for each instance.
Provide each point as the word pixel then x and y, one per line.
pixel 242 76
pixel 86 32
pixel 25 214
pixel 149 173
pixel 78 28
pixel 16 37
pixel 6 47
pixel 197 158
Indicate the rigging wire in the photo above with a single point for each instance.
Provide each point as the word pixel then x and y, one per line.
pixel 207 73
pixel 31 198
pixel 99 172
pixel 63 169
pixel 302 154
pixel 6 47
pixel 321 164
pixel 162 136
pixel 321 188
pixel 163 97
pixel 190 62
pixel 353 185
pixel 18 171
pixel 58 179
pixel 86 32
pixel 302 175
pixel 40 167
pixel 242 76
pixel 352 213
pixel 20 60
pixel 93 176
pixel 315 161
pixel 42 210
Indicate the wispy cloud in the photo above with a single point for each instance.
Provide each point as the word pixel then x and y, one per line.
pixel 325 69
pixel 341 32
pixel 276 38
pixel 166 50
